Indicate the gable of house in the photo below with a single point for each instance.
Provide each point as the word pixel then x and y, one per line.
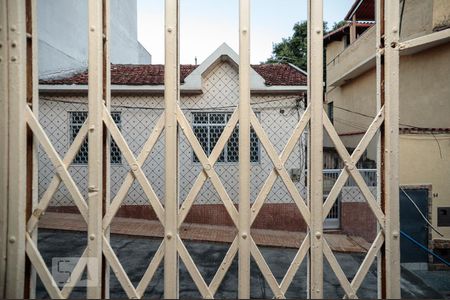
pixel 207 111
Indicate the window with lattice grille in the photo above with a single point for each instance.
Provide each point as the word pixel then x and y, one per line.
pixel 208 128
pixel 77 119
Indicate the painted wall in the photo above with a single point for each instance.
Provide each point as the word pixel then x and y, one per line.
pixel 424 93
pixel 417 19
pixel 277 115
pixel 424 102
pixel 425 159
pixel 441 14
pixel 63 36
pixel 355 55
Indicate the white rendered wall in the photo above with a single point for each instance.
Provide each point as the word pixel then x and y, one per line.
pixel 220 91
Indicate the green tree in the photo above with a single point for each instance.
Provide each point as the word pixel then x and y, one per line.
pixel 294 49
pixel 337 25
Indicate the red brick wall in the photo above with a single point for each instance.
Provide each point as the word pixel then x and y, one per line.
pixel 358 219
pixel 272 216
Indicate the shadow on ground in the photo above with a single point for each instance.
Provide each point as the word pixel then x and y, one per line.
pixel 136 253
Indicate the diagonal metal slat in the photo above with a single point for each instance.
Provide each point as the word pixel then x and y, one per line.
pixel 265 269
pixel 59 165
pixel 356 155
pixel 202 177
pixel 280 169
pixel 151 270
pixel 224 266
pixel 353 171
pixel 123 277
pixel 193 270
pixel 334 264
pixel 129 179
pixel 75 276
pixel 207 166
pixel 56 180
pixel 39 264
pixel 270 181
pixel 368 261
pixel 137 170
pixel 296 263
pixel 118 270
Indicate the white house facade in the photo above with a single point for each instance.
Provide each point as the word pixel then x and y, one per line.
pixel 209 96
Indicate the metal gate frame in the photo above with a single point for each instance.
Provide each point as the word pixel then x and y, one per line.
pixel 21 133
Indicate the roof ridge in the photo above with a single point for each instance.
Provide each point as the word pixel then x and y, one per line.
pixel 280 74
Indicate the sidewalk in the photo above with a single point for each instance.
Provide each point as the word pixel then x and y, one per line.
pixel 208 233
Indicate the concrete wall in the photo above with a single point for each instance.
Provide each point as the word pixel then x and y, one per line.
pixel 441 14
pixel 417 19
pixel 333 50
pixel 63 38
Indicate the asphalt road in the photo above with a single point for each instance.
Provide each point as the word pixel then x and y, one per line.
pixel 135 254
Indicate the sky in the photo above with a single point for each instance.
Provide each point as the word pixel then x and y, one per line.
pixel 206 24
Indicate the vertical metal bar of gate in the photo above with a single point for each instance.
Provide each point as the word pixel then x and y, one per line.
pixel 33 145
pixel 17 92
pixel 391 142
pixel 244 150
pixel 4 143
pixel 171 94
pixel 379 69
pixel 106 137
pixel 95 144
pixel 315 97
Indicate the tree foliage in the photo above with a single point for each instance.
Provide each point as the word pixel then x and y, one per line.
pixel 294 49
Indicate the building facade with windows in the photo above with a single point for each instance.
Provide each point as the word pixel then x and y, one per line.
pixel 209 97
pixel 424 102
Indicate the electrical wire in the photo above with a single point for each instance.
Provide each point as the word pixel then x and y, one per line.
pixel 420 212
pixel 422 247
pixel 280 99
pixel 406 125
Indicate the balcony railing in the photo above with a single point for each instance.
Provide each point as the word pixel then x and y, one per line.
pixel 331 175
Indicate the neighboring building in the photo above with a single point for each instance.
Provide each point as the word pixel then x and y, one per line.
pixel 63 42
pixel 209 95
pixel 424 100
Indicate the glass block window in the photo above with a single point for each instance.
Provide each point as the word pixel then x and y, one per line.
pixel 76 120
pixel 208 128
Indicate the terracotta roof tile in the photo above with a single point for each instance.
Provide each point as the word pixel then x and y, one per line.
pixel 419 130
pixel 280 74
pixel 276 74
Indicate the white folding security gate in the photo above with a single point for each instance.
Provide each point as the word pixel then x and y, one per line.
pixel 21 133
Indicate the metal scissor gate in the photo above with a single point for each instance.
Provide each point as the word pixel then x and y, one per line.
pixel 21 134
